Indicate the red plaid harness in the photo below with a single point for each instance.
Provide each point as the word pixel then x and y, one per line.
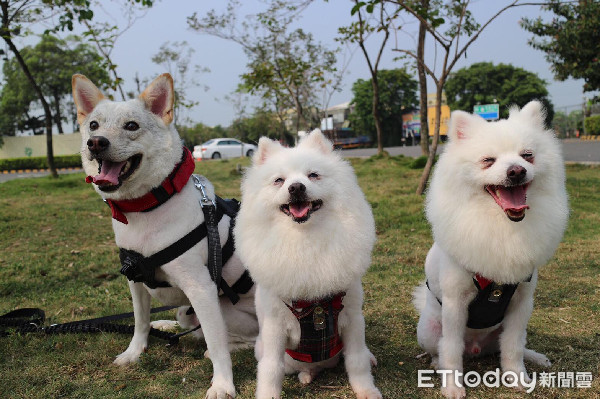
pixel 319 336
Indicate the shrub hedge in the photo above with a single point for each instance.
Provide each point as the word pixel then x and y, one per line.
pixel 60 161
pixel 592 125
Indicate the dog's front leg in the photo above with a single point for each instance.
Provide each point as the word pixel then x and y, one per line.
pixel 357 357
pixel 452 345
pixel 273 337
pixel 141 313
pixel 514 332
pixel 203 297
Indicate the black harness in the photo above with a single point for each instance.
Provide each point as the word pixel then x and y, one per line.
pixel 141 269
pixel 489 306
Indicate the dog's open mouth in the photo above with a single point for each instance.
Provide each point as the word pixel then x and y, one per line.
pixel 301 211
pixel 512 200
pixel 112 174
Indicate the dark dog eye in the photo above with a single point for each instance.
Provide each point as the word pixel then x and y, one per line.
pixel 279 181
pixel 528 156
pixel 488 161
pixel 313 175
pixel 131 126
pixel 94 125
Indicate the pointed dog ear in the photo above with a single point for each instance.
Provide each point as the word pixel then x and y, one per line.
pixel 462 125
pixel 266 148
pixel 534 112
pixel 317 140
pixel 85 95
pixel 159 96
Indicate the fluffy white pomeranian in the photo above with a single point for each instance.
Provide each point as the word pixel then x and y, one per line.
pixel 498 207
pixel 305 232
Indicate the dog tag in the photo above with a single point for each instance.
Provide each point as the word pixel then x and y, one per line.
pixel 319 318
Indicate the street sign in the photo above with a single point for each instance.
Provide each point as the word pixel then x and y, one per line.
pixel 490 112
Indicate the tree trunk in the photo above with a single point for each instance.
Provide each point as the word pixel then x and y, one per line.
pixel 47 112
pixel 423 84
pixel 436 138
pixel 376 116
pixel 57 117
pixel 301 122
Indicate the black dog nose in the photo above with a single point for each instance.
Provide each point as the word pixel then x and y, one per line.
pixel 296 188
pixel 516 173
pixel 97 144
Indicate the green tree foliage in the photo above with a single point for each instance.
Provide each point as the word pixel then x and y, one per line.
pixel 200 133
pixel 375 18
pixel 15 99
pixel 486 83
pixel 261 123
pixel 566 125
pixel 571 40
pixel 397 94
pixel 287 70
pixel 592 125
pixel 19 103
pixel 16 20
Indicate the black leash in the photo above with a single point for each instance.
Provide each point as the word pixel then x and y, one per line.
pixel 29 320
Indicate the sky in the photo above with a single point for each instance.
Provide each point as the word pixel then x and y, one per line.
pixel 504 41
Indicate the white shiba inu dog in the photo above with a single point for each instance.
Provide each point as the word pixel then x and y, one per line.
pixel 135 159
pixel 305 232
pixel 497 204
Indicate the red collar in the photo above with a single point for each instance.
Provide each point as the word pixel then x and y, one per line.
pixel 335 300
pixel 482 281
pixel 173 184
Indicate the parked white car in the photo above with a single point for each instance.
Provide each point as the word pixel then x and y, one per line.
pixel 223 148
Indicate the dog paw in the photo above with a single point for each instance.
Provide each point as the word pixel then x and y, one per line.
pixel 164 325
pixel 127 357
pixel 305 377
pixel 538 358
pixel 454 392
pixel 435 362
pixel 267 393
pixel 371 393
pixel 220 392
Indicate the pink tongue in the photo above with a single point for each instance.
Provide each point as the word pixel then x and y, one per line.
pixel 109 174
pixel 299 210
pixel 512 198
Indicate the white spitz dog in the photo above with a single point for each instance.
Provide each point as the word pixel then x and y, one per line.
pixel 135 159
pixel 498 207
pixel 305 232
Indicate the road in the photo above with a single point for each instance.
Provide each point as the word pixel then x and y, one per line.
pixel 574 151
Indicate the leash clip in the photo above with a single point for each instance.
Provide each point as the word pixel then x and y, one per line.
pixel 204 201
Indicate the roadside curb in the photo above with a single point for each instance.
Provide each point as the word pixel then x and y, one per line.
pixel 13 171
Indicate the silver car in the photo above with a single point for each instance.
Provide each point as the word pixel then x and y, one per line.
pixel 223 148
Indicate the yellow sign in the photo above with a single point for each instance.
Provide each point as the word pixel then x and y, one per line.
pixel 432 101
pixel 445 119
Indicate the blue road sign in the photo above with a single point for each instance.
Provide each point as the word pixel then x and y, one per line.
pixel 490 112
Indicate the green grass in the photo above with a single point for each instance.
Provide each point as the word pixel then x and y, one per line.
pixel 57 253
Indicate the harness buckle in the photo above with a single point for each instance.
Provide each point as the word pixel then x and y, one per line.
pixel 131 265
pixel 204 201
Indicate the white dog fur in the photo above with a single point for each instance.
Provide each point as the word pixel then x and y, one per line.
pixel 327 254
pixel 473 234
pixel 148 232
